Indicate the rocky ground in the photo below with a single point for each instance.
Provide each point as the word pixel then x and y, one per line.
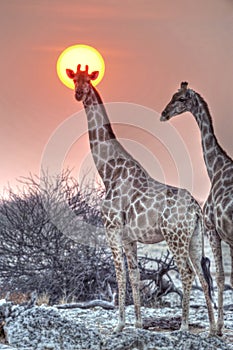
pixel 47 328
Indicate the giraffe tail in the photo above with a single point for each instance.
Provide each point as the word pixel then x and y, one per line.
pixel 205 264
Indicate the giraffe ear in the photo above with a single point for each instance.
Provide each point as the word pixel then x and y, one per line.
pixel 94 75
pixel 70 73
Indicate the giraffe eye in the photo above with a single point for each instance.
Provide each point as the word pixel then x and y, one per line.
pixel 182 99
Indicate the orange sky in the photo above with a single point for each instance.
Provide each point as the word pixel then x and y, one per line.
pixel 149 47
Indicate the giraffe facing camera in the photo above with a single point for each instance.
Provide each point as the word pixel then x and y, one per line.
pixel 80 77
pixel 138 208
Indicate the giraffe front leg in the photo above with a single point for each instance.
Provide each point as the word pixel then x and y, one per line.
pixel 118 257
pixel 215 243
pixel 231 248
pixel 134 275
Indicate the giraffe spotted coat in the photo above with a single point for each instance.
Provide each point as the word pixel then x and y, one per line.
pixel 139 209
pixel 218 208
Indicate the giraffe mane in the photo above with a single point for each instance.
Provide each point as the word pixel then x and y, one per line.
pixel 210 119
pixel 205 106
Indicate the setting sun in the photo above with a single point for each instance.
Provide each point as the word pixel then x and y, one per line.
pixel 79 54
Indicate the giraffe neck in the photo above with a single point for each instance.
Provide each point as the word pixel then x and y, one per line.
pixel 214 156
pixel 104 146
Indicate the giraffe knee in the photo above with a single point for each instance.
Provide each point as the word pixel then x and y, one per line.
pixel 220 280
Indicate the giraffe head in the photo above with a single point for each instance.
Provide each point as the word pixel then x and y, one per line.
pixel 182 101
pixel 82 81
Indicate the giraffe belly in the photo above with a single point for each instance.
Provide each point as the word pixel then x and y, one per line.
pixel 149 236
pixel 153 239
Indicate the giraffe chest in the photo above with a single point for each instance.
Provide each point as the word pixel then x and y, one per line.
pixel 218 210
pixel 222 182
pixel 223 214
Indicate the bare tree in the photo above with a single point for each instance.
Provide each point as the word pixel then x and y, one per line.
pixel 52 240
pixel 34 250
pixel 159 280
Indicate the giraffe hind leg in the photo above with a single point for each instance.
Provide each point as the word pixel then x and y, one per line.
pixel 201 267
pixel 231 248
pixel 215 243
pixel 187 276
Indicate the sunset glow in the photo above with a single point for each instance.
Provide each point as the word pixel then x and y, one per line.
pixel 148 49
pixel 79 54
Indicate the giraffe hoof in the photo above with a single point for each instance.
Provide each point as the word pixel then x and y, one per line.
pixel 138 324
pixel 212 333
pixel 184 328
pixel 119 327
pixel 219 329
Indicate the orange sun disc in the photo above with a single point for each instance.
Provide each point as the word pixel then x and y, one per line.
pixel 79 54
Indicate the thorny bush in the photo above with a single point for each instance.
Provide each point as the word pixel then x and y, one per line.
pixel 53 241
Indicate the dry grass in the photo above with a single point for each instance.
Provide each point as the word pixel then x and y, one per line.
pixel 19 298
pixel 66 300
pixel 42 299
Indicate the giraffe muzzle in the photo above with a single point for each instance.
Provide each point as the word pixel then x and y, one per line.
pixel 164 116
pixel 78 96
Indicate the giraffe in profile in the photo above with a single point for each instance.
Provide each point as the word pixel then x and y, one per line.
pixel 218 208
pixel 137 208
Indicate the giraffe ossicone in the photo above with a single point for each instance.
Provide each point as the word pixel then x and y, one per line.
pixel 138 208
pixel 218 208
